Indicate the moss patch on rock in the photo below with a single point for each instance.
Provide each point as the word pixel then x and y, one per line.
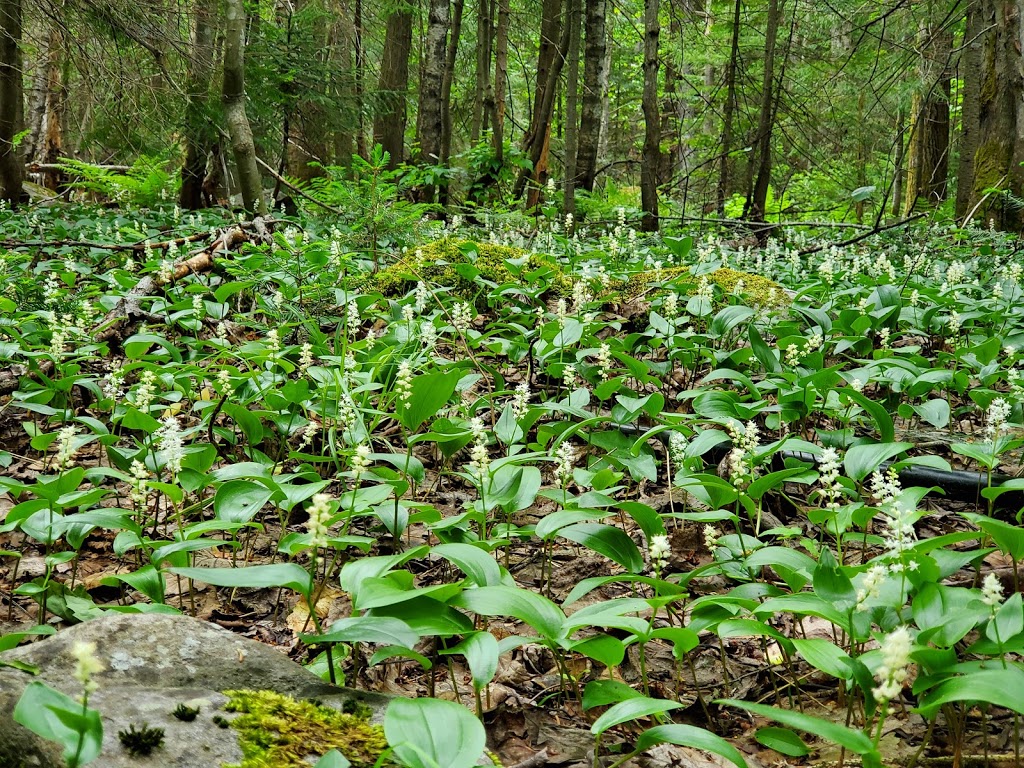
pixel 761 291
pixel 277 731
pixel 437 263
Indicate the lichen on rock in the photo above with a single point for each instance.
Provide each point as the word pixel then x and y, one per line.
pixel 277 731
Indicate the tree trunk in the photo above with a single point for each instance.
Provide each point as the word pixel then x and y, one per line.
pixel 757 203
pixel 997 180
pixel 343 35
pixel 898 171
pixel 429 122
pixel 451 55
pixel 12 166
pixel 198 133
pixel 595 83
pixel 483 69
pixel 500 81
pixel 928 161
pixel 358 84
pixel 550 57
pixel 572 78
pixel 652 120
pixel 970 110
pixel 729 112
pixel 242 145
pixel 389 121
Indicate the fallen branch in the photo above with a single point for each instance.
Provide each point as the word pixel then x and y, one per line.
pixel 128 308
pixel 863 235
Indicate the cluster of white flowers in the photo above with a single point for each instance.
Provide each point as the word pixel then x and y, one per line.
pixel 883 337
pixel 305 358
pixel 146 391
pixel 311 430
pixel 710 537
pixel 87 666
pixel 462 316
pixel 856 384
pixel 520 400
pixel 273 342
pixel 871 586
pixel 704 288
pixel 676 448
pixel 428 335
pixel 169 441
pixel 422 295
pixel 569 375
pixel 885 487
pixel 139 483
pixel 360 461
pixel 198 306
pixel 992 591
pixel 995 417
pixel 403 384
pixel 319 515
pixel 954 322
pixel 479 459
pixel 660 550
pixel 223 380
pixel 565 459
pixel 581 296
pixel 353 318
pixel 828 476
pixel 893 671
pixel 900 535
pixel 66 448
pixel 604 360
pixel 744 443
pixel 670 305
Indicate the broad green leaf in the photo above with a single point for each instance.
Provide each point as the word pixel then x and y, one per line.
pixel 1001 687
pixel 607 540
pixel 288 575
pixel 690 736
pixel 366 629
pixel 862 460
pixel 480 567
pixel 44 711
pixel 430 733
pixel 240 500
pixel 429 393
pixel 529 607
pixel 481 652
pixel 782 740
pixel 631 709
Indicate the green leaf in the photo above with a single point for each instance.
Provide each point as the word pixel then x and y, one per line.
pixel 782 740
pixel 607 540
pixel 631 709
pixel 429 394
pixel 333 759
pixel 13 639
pixel 44 711
pixel 690 736
pixel 480 567
pixel 540 613
pixel 824 655
pixel 430 733
pixel 1001 687
pixel 862 460
pixel 481 652
pixel 855 741
pixel 600 693
pixel 288 575
pixel 238 501
pixel 366 629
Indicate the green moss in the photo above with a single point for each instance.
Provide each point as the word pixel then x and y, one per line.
pixel 760 290
pixel 435 264
pixel 277 731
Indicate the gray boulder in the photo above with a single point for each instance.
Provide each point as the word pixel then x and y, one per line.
pixel 153 663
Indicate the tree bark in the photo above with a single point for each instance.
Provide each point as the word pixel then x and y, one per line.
pixel 242 145
pixel 928 154
pixel 12 165
pixel 898 160
pixel 500 81
pixel 358 84
pixel 996 181
pixel 429 121
pixel 451 55
pixel 572 78
pixel 652 120
pixel 595 83
pixel 392 114
pixel 483 69
pixel 757 203
pixel 729 112
pixel 198 133
pixel 550 57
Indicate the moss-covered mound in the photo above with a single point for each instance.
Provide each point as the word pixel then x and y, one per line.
pixel 436 263
pixel 277 731
pixel 760 290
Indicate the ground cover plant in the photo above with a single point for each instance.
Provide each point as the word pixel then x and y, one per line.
pixel 681 495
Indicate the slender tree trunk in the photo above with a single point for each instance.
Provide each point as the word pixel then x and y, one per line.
pixel 242 144
pixel 928 165
pixel 12 167
pixel 572 78
pixel 343 34
pixel 198 133
pixel 483 69
pixel 898 170
pixel 390 119
pixel 757 203
pixel 359 84
pixel 971 71
pixel 595 83
pixel 429 118
pixel 652 120
pixel 451 55
pixel 729 112
pixel 550 57
pixel 500 80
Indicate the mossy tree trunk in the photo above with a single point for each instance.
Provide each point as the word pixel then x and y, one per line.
pixel 242 144
pixel 595 84
pixel 429 122
pixel 994 175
